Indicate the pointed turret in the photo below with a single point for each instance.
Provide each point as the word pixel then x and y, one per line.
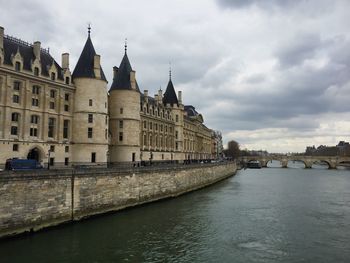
pixel 86 66
pixel 124 78
pixel 170 94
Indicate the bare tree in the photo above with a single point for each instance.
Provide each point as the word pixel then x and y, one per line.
pixel 232 149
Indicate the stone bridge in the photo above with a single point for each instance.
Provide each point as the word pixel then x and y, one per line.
pixel 332 161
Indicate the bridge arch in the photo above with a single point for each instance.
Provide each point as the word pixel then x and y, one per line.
pixel 298 160
pixel 321 162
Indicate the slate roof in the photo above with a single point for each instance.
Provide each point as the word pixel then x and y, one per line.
pixel 191 111
pixel 85 64
pixel 11 45
pixel 122 79
pixel 170 95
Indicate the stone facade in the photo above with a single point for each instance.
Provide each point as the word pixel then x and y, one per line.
pixel 33 201
pixel 54 116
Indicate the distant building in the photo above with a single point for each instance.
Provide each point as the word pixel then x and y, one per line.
pixel 52 115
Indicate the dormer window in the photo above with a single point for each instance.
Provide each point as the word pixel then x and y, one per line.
pixel 53 76
pixel 36 71
pixel 18 66
pixel 67 80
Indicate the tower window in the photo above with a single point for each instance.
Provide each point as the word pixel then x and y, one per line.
pixel 121 110
pixel 120 136
pixel 90 132
pixel 90 118
pixel 53 75
pixel 93 157
pixel 121 124
pixel 90 102
pixel 66 149
pixel 66 107
pixel 67 80
pixel 66 97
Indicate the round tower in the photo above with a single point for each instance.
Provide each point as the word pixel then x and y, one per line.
pixel 124 114
pixel 90 121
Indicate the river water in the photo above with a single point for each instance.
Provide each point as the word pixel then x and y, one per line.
pixel 259 215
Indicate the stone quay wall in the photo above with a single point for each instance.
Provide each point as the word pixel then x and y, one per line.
pixel 31 201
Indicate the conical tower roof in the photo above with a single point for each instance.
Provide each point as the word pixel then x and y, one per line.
pixel 170 94
pixel 85 65
pixel 122 78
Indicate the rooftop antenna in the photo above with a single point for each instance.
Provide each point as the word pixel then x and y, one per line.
pixel 126 45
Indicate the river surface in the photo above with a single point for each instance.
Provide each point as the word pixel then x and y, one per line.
pixel 260 215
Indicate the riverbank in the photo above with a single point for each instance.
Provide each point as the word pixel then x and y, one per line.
pixel 30 202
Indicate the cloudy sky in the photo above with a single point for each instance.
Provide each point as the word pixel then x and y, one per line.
pixel 272 75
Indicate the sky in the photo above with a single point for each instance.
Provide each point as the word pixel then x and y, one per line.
pixel 273 75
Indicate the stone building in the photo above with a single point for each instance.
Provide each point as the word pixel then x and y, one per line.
pixel 52 115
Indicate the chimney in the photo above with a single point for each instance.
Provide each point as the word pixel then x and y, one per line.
pixel 145 93
pixel 36 49
pixel 115 71
pixel 1 38
pixel 156 97
pixel 97 66
pixel 133 79
pixel 65 61
pixel 179 97
pixel 160 95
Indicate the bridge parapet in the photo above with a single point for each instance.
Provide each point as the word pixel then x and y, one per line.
pixel 332 161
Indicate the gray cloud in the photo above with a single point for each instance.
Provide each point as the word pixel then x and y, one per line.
pixel 249 66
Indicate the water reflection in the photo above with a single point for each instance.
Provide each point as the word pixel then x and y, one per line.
pixel 260 215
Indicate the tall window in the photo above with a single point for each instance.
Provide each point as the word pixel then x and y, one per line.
pixel 121 124
pixel 36 89
pixel 53 75
pixel 35 102
pixel 15 98
pixel 90 102
pixel 51 130
pixel 93 157
pixel 34 119
pixel 121 110
pixel 177 118
pixel 67 80
pixel 15 116
pixel 120 136
pixel 176 134
pixel 14 130
pixel 65 129
pixel 90 118
pixel 33 132
pixel 53 93
pixel 16 85
pixel 89 132
pixel 52 105
pixel 66 97
pixel 66 107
